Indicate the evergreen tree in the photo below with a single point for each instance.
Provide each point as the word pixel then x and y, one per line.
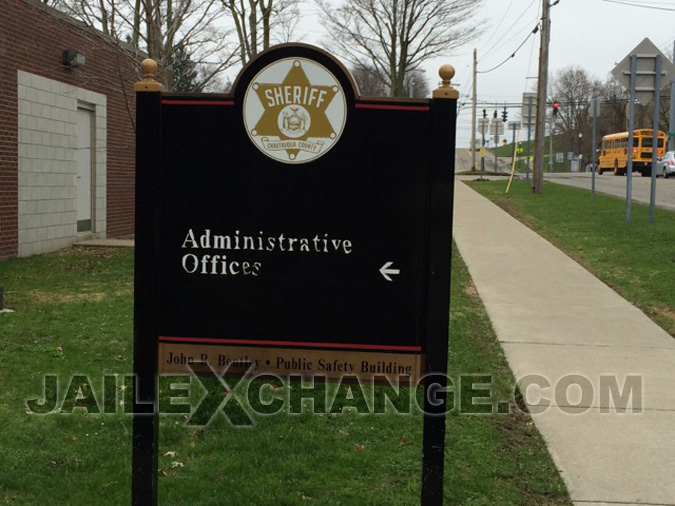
pixel 185 74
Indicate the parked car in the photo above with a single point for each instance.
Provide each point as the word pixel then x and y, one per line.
pixel 666 165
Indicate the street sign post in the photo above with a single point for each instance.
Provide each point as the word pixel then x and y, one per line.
pixel 644 72
pixel 496 129
pixel 594 113
pixel 483 126
pixel 513 126
pixel 528 111
pixel 296 229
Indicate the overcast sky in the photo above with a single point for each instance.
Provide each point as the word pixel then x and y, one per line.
pixel 592 34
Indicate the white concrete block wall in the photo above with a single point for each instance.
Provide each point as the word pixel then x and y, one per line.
pixel 47 163
pixel 100 160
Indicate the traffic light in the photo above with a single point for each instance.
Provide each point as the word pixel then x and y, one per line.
pixel 505 115
pixel 556 105
pixel 494 115
pixel 485 113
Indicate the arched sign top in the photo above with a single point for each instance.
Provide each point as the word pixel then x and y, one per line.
pixel 295 50
pixel 294 102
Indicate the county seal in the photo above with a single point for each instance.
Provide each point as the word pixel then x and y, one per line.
pixel 294 110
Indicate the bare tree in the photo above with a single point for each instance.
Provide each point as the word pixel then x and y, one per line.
pixel 612 116
pixel 101 14
pixel 417 84
pixel 258 23
pixel 373 84
pixel 396 36
pixel 574 89
pixel 159 27
pixel 370 82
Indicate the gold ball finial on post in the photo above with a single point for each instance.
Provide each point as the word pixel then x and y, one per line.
pixel 149 68
pixel 446 72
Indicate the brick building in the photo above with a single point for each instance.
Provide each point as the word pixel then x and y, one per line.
pixel 66 132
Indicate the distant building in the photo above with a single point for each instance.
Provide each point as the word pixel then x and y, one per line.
pixel 66 132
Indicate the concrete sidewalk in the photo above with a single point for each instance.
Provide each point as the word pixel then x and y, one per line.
pixel 106 243
pixel 555 319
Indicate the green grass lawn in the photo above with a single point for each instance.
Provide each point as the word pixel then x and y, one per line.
pixel 637 259
pixel 74 317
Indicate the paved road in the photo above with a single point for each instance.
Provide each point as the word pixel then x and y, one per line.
pixel 607 183
pixel 616 185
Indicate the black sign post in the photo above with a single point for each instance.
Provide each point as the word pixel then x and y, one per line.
pixel 145 401
pixel 441 190
pixel 295 226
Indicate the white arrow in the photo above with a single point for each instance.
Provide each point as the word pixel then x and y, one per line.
pixel 386 271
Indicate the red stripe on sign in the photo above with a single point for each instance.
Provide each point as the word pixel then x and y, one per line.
pixel 197 102
pixel 392 107
pixel 291 344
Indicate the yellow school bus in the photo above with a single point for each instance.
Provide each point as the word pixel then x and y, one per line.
pixel 614 152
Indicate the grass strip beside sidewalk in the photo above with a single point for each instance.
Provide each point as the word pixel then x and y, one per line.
pixel 637 259
pixel 74 317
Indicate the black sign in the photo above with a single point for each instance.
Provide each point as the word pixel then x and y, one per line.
pixel 293 224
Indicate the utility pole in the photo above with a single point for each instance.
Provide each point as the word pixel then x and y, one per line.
pixel 542 86
pixel 475 109
pixel 483 125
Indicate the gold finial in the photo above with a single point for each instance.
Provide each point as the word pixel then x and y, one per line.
pixel 447 72
pixel 149 68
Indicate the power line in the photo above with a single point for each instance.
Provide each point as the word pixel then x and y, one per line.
pixel 667 2
pixel 509 30
pixel 529 61
pixel 480 50
pixel 535 30
pixel 517 34
pixel 644 6
pixel 667 43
